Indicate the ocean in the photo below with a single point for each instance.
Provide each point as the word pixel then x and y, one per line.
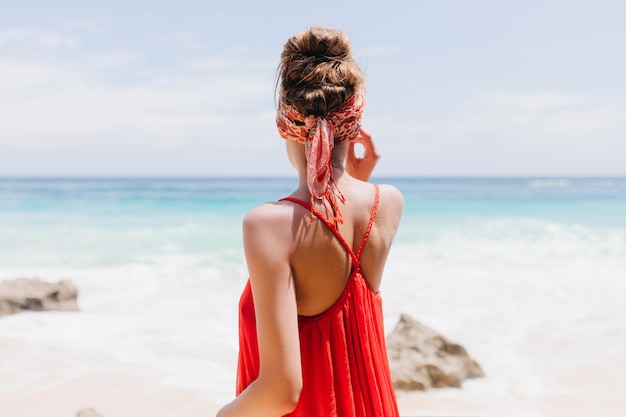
pixel 529 274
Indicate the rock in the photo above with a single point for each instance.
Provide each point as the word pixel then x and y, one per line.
pixel 88 412
pixel 421 358
pixel 33 294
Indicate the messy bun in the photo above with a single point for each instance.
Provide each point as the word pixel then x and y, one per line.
pixel 317 73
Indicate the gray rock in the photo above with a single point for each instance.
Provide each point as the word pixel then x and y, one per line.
pixel 421 358
pixel 33 294
pixel 88 412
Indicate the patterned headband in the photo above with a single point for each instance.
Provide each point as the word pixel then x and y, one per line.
pixel 319 135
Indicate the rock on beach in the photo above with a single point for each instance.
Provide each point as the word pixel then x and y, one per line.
pixel 88 412
pixel 421 358
pixel 25 294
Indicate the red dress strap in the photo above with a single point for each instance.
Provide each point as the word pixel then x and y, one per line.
pixel 369 224
pixel 331 226
pixel 356 259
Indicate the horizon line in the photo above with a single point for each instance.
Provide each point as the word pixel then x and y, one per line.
pixel 248 177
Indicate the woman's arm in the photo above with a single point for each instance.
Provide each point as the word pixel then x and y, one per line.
pixel 361 168
pixel 267 244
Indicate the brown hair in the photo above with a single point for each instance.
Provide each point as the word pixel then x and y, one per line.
pixel 317 73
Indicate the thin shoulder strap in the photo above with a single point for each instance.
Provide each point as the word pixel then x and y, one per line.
pixel 331 226
pixel 369 224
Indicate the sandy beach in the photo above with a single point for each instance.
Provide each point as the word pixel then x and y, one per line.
pixel 41 381
pixel 131 393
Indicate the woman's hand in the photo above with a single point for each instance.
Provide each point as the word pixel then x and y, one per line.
pixel 361 168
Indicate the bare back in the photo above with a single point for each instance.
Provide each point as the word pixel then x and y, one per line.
pixel 320 264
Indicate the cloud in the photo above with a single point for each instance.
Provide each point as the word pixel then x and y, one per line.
pixel 69 108
pixel 547 116
pixel 63 93
pixel 53 104
pixel 535 116
pixel 112 59
pixel 507 133
pixel 18 75
pixel 37 38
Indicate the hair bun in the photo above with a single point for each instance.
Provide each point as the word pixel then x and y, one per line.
pixel 317 72
pixel 324 44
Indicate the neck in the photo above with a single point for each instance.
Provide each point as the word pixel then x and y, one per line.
pixel 297 157
pixel 338 173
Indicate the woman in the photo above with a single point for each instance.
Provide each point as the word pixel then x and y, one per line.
pixel 311 329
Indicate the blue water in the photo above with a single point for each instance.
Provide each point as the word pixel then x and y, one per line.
pixel 112 221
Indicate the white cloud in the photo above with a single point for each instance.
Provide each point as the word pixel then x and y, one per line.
pixel 89 100
pixel 51 104
pixel 37 38
pixel 548 116
pixel 508 133
pixel 16 75
pixel 112 111
pixel 538 116
pixel 112 59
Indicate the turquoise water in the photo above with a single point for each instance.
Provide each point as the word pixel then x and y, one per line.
pixel 93 222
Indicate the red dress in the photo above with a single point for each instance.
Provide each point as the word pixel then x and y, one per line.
pixel 345 369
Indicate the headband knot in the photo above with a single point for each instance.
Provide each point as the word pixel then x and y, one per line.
pixel 318 133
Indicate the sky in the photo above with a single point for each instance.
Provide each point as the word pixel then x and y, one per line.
pixel 186 88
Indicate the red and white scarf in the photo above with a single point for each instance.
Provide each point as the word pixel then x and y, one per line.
pixel 319 135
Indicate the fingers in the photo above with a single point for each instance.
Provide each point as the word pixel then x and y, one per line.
pixel 361 168
pixel 370 149
pixel 362 137
pixel 365 136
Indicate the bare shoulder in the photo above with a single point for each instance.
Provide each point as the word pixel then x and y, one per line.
pixel 269 224
pixel 390 210
pixel 266 216
pixel 392 199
